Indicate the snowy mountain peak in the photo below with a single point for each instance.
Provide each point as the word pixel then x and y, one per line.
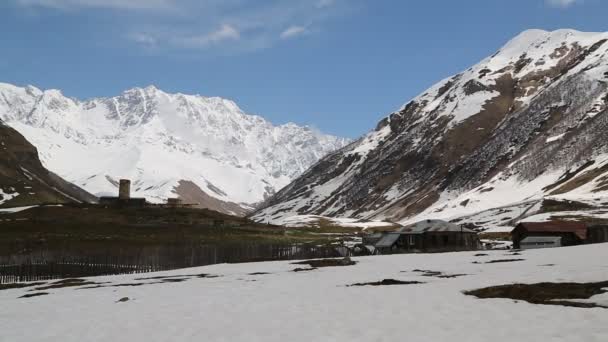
pixel 527 122
pixel 161 140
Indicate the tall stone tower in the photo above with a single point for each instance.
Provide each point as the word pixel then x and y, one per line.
pixel 124 191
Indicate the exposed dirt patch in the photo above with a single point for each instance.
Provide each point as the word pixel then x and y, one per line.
pixel 387 282
pixel 450 276
pixel 550 205
pixel 181 276
pixel 258 273
pixel 19 285
pixel 326 262
pixel 66 283
pixel 437 274
pixel 205 275
pixel 174 280
pixel 299 269
pixel 160 280
pixel 128 285
pixel 480 254
pixel 545 293
pixel 499 261
pixel 37 294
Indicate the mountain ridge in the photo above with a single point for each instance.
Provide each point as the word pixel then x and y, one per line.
pixel 161 140
pixel 495 134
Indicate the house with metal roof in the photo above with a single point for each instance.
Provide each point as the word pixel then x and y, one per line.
pixel 428 236
pixel 570 233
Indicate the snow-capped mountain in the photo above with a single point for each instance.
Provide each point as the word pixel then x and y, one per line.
pixel 203 149
pixel 526 123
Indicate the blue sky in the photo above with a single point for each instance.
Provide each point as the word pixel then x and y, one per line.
pixel 338 65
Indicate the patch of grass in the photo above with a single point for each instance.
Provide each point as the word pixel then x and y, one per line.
pixel 143 226
pixel 545 293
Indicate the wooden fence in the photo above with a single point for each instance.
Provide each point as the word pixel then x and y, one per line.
pixel 67 263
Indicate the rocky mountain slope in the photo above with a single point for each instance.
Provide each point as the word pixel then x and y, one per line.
pixel 205 150
pixel 23 179
pixel 526 123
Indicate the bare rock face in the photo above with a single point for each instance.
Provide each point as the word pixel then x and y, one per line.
pixel 504 131
pixel 23 179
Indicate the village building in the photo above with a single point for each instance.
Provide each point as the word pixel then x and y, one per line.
pixel 124 198
pixel 371 239
pixel 428 236
pixel 535 242
pixel 175 203
pixel 556 234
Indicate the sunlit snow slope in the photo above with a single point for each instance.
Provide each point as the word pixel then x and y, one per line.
pixel 527 122
pixel 205 150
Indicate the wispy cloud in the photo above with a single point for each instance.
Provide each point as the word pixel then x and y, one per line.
pixel 224 33
pixel 324 3
pixel 294 31
pixel 143 38
pixel 226 26
pixel 110 4
pixel 561 3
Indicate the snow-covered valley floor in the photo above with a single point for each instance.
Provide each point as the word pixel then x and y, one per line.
pixel 269 302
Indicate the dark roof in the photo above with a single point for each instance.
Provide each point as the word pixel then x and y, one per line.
pixel 434 226
pixel 577 228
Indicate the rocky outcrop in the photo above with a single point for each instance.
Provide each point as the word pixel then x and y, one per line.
pixel 23 179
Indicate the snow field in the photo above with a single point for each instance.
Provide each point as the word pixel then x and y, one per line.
pixel 317 305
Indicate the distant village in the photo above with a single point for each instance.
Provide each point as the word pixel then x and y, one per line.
pixel 124 199
pixel 427 236
pixel 433 236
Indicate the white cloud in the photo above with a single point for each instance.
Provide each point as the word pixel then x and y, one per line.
pixel 225 32
pixel 293 31
pixel 561 3
pixel 229 26
pixel 324 3
pixel 143 38
pixel 110 4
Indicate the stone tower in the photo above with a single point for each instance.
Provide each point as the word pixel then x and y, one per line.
pixel 124 191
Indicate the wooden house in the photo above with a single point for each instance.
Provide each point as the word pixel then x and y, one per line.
pixel 428 236
pixel 571 233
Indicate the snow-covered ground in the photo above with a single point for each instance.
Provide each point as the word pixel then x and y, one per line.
pixel 318 306
pixel 7 196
